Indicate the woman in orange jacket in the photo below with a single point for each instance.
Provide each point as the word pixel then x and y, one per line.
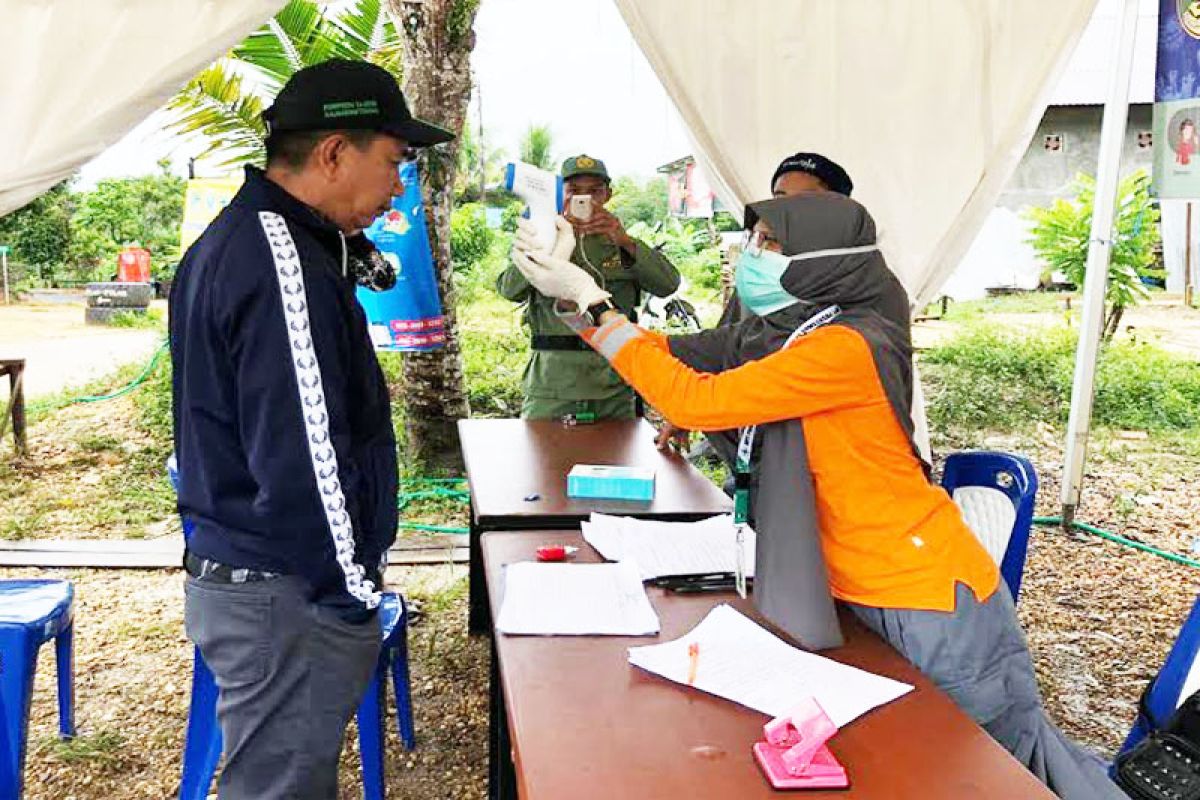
pixel 827 352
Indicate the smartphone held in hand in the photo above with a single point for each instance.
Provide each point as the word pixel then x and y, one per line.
pixel 581 207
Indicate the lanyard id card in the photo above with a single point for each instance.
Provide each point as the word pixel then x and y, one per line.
pixel 741 471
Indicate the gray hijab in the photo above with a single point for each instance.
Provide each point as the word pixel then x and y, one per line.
pixel 872 300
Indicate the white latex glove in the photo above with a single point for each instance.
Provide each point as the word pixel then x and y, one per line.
pixel 564 237
pixel 558 278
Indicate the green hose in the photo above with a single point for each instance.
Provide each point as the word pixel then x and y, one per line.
pixel 135 383
pixel 436 491
pixel 96 398
pixel 1112 537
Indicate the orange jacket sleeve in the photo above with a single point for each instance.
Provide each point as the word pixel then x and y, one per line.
pixel 829 368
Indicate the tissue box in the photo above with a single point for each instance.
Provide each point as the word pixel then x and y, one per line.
pixel 610 483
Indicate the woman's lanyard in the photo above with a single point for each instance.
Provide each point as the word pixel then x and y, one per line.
pixel 741 469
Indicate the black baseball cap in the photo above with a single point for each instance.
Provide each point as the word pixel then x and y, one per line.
pixel 340 94
pixel 827 171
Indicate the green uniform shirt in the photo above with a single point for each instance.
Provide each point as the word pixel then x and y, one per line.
pixel 585 374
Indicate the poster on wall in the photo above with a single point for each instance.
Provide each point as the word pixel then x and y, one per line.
pixel 1177 101
pixel 408 316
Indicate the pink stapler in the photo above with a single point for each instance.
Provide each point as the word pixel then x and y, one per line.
pixel 794 755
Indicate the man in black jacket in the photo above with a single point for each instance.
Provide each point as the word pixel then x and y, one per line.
pixel 287 458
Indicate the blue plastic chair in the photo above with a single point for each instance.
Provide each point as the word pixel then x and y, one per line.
pixel 996 493
pixel 1167 690
pixel 32 612
pixel 202 748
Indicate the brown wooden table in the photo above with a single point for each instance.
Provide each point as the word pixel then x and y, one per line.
pixel 585 724
pixel 510 460
pixel 14 409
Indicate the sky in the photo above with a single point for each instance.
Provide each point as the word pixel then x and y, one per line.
pixel 571 65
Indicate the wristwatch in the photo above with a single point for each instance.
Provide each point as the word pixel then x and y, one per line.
pixel 594 311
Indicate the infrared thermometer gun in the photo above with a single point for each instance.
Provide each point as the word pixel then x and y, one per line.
pixel 542 192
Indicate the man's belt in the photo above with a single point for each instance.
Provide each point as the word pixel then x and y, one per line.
pixel 206 569
pixel 540 342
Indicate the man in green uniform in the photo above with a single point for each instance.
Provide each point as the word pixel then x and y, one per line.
pixel 564 376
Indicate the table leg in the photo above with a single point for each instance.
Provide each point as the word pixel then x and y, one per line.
pixel 479 614
pixel 16 384
pixel 502 776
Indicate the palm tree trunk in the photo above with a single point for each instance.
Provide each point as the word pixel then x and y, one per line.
pixel 438 39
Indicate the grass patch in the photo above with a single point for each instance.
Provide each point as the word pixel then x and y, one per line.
pixel 495 347
pixel 443 629
pixel 103 748
pixel 22 525
pixel 100 443
pixel 153 318
pixel 114 381
pixel 139 629
pixel 988 378
pixel 1022 303
pixel 425 503
pixel 101 469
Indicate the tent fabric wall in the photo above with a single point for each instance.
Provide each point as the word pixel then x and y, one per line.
pixel 83 73
pixel 929 104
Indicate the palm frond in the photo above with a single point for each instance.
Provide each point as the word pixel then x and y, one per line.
pixel 224 103
pixel 366 32
pixel 282 45
pixel 215 105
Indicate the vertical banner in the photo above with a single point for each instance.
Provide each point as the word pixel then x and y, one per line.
pixel 409 315
pixel 1177 101
pixel 205 199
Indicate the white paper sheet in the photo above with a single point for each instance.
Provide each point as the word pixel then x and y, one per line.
pixel 575 600
pixel 670 548
pixel 741 661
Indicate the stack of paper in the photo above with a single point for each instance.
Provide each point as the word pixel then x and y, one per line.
pixel 575 600
pixel 741 661
pixel 670 548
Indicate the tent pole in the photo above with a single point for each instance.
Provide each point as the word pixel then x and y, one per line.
pixel 1112 137
pixel 1187 260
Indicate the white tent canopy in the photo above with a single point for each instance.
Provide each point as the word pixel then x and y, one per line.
pixel 929 104
pixel 82 73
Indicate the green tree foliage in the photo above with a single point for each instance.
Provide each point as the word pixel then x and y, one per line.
pixel 470 236
pixel 1060 235
pixel 645 203
pixel 537 147
pixel 690 245
pixel 146 210
pixel 224 103
pixel 40 232
pixel 480 167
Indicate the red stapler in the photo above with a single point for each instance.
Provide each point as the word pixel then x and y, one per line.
pixel 794 755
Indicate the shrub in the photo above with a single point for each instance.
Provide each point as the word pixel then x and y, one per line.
pixel 470 237
pixel 1061 234
pixel 989 378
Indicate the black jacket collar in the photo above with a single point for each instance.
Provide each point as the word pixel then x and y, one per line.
pixel 261 193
